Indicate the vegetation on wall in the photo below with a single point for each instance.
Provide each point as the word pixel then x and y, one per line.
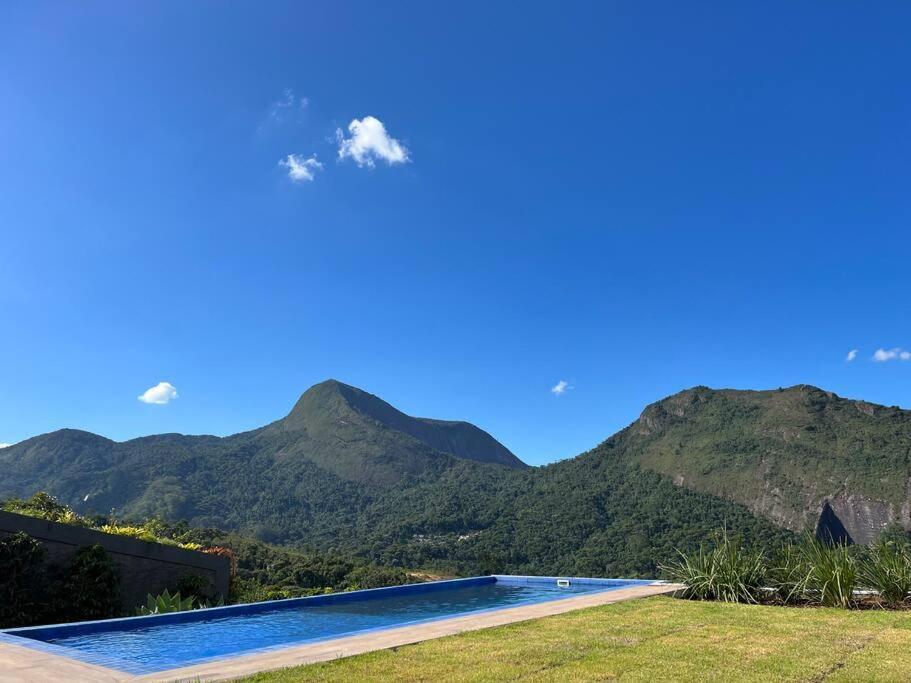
pixel 23 584
pixel 44 506
pixel 91 586
pixel 31 592
pixel 35 592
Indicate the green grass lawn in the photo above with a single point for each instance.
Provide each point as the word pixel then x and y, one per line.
pixel 646 640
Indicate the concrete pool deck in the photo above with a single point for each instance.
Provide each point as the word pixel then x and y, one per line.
pixel 19 663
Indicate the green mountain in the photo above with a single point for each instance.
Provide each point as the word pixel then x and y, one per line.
pixel 793 455
pixel 346 471
pixel 337 448
pixel 362 438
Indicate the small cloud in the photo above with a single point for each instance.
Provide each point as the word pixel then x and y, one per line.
pixel 161 394
pixel 5 445
pixel 560 388
pixel 883 355
pixel 852 354
pixel 288 103
pixel 300 169
pixel 369 141
pixel 288 107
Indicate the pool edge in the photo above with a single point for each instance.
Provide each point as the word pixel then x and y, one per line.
pixel 108 668
pixel 230 668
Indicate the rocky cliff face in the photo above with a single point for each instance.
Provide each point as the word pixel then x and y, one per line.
pixel 863 518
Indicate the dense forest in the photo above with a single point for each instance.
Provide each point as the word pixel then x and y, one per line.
pixel 346 473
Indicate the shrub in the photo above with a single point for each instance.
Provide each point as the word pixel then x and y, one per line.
pixel 887 570
pixel 247 590
pixel 195 586
pixel 373 576
pixel 92 586
pixel 221 551
pixel 725 572
pixel 251 590
pixel 22 581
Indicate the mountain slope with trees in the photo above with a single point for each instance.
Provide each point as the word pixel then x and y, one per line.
pixel 346 471
pixel 789 455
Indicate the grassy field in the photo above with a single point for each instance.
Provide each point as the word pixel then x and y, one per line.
pixel 646 640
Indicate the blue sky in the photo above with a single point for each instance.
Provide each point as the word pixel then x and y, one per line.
pixel 632 198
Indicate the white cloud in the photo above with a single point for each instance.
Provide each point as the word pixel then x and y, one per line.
pixel 560 388
pixel 5 445
pixel 369 141
pixel 883 355
pixel 300 169
pixel 287 104
pixel 161 394
pixel 852 354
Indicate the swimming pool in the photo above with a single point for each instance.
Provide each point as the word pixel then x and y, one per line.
pixel 139 645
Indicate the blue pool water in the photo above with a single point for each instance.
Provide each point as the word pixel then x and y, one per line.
pixel 148 644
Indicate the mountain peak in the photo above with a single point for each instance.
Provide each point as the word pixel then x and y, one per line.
pixel 329 396
pixel 330 402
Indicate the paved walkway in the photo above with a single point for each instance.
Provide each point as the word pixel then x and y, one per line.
pixel 18 664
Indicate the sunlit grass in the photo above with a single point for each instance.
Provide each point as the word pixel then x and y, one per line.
pixel 654 639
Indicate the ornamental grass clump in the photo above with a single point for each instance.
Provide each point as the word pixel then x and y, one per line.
pixel 809 572
pixel 831 572
pixel 886 569
pixel 787 574
pixel 725 572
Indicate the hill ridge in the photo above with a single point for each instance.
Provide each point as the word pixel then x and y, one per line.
pixel 339 471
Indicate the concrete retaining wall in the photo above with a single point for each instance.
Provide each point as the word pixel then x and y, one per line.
pixel 144 567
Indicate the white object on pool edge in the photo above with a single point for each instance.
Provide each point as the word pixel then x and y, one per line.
pixel 563 583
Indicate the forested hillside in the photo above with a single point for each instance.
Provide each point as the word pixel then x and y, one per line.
pixel 346 471
pixel 784 454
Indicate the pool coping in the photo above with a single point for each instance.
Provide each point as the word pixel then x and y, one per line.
pixel 45 660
